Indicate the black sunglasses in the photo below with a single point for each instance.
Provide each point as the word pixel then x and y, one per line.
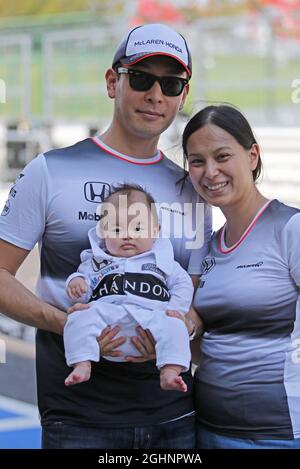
pixel 143 81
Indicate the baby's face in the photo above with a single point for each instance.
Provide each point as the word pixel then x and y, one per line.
pixel 129 228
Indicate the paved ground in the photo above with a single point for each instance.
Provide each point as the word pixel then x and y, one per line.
pixel 19 425
pixel 19 422
pixel 17 369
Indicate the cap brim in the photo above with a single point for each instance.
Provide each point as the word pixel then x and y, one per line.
pixel 133 59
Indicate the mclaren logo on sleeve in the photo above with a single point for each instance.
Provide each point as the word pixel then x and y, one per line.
pixel 146 286
pixel 12 195
pixel 6 209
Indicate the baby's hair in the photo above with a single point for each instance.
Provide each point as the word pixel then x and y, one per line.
pixel 128 189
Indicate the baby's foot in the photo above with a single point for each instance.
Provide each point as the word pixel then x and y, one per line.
pixel 170 379
pixel 81 373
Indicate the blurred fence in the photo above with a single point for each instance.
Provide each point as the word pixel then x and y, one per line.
pixel 245 63
pixel 281 163
pixel 240 60
pixel 16 73
pixel 74 64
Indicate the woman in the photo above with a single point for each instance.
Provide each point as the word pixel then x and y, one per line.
pixel 248 383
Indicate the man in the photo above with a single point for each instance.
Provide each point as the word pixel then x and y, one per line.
pixel 54 202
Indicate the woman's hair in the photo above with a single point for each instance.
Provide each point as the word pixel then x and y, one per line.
pixel 229 119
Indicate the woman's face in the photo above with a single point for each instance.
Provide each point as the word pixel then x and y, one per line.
pixel 219 167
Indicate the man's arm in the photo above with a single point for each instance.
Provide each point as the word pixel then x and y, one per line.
pixel 17 302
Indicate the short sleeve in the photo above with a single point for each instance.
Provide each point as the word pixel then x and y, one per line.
pixel 23 218
pixel 290 239
pixel 197 255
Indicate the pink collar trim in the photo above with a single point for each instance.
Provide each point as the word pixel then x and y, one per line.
pixel 141 161
pixel 221 241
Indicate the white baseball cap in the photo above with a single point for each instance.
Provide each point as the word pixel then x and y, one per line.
pixel 153 39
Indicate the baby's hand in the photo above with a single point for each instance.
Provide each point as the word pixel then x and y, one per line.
pixel 77 287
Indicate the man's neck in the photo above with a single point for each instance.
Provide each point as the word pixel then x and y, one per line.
pixel 134 147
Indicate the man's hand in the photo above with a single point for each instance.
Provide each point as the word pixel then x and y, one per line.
pixel 108 344
pixel 78 307
pixel 145 344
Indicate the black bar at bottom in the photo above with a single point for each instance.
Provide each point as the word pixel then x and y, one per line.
pixel 134 458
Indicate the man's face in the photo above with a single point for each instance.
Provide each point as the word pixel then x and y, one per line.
pixel 145 114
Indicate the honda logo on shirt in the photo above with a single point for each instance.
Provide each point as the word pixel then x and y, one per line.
pixel 96 191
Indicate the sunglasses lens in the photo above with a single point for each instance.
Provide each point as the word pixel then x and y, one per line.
pixel 141 81
pixel 172 86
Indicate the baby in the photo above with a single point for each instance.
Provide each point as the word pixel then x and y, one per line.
pixel 131 278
